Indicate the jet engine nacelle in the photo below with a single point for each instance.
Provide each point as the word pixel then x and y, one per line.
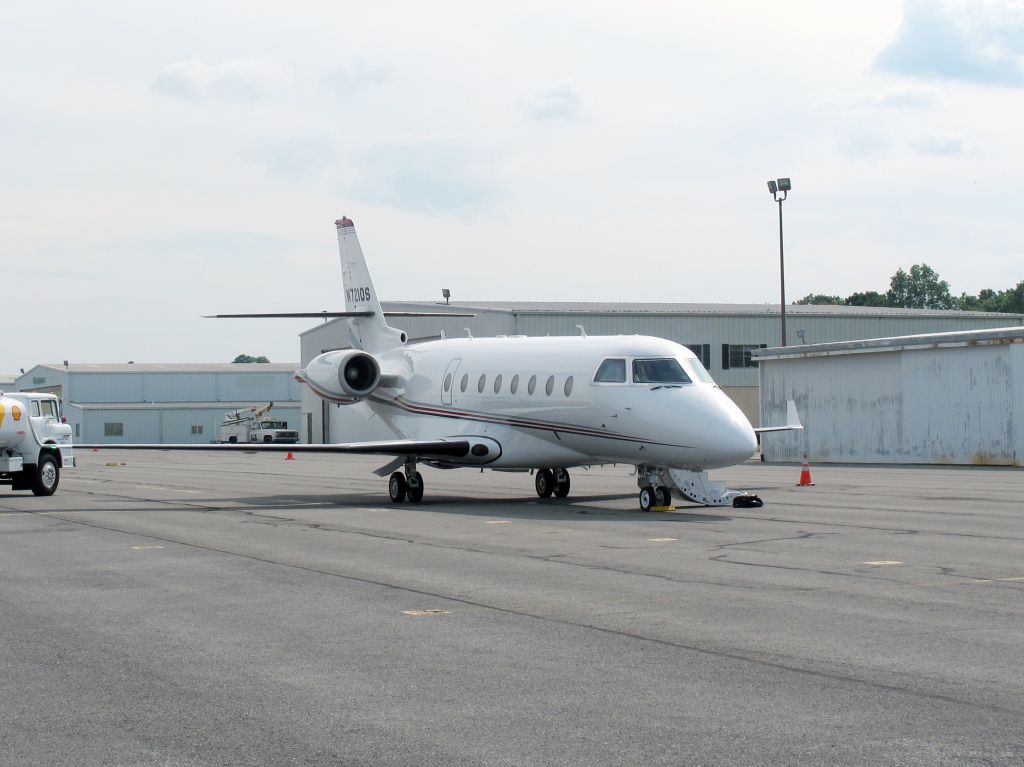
pixel 343 376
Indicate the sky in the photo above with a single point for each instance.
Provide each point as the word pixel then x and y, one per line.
pixel 162 163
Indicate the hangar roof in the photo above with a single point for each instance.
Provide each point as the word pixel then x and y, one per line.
pixel 586 307
pixel 984 337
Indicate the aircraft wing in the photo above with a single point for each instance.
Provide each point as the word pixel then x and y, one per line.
pixel 792 421
pixel 426 449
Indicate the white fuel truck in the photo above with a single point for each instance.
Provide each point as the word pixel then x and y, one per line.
pixel 35 443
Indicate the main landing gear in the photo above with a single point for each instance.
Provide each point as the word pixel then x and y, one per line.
pixel 407 484
pixel 551 481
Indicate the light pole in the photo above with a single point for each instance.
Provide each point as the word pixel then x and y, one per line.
pixel 782 185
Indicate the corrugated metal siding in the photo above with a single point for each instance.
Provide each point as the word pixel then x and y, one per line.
pixel 955 405
pixel 176 425
pixel 180 387
pixel 105 387
pixel 139 426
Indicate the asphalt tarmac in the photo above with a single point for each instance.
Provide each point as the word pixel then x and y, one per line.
pixel 182 609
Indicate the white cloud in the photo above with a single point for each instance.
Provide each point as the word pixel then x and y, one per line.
pixel 235 80
pixel 976 42
pixel 903 97
pixel 944 146
pixel 557 102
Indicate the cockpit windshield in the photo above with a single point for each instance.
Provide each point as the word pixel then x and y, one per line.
pixel 659 371
pixel 697 371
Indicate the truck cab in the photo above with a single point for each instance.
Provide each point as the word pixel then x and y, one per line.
pixel 35 442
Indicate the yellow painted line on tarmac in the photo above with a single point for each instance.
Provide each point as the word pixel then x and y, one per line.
pixel 432 611
pixel 500 522
pixel 146 548
pixel 996 580
pixel 547 532
pixel 661 540
pixel 882 562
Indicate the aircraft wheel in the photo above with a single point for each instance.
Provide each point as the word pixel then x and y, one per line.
pixel 46 476
pixel 562 483
pixel 664 496
pixel 544 482
pixel 647 498
pixel 416 491
pixel 397 487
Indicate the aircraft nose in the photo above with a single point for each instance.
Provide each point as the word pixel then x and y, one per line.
pixel 735 441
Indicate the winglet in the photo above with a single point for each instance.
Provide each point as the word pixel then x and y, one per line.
pixel 792 420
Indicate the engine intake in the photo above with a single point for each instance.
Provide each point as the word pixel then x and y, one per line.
pixel 343 376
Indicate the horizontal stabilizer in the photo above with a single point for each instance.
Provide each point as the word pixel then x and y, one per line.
pixel 323 315
pixel 792 420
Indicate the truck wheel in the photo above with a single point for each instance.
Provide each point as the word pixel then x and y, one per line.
pixel 233 440
pixel 46 476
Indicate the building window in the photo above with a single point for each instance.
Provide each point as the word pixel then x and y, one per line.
pixel 197 429
pixel 568 386
pixel 738 355
pixel 703 352
pixel 76 429
pixel 514 386
pixel 113 429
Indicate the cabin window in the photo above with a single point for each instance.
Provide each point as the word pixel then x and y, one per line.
pixel 514 386
pixel 48 408
pixel 465 381
pixel 568 386
pixel 531 387
pixel 659 371
pixel 549 386
pixel 481 383
pixel 113 429
pixel 34 407
pixel 497 383
pixel 612 370
pixel 448 382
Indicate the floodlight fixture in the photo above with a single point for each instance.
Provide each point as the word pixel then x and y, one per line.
pixel 780 188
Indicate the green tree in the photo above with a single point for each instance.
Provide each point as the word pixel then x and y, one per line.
pixel 989 300
pixel 867 298
pixel 920 289
pixel 819 299
pixel 247 358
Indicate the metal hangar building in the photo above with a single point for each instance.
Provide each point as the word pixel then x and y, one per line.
pixel 162 403
pixel 724 336
pixel 938 398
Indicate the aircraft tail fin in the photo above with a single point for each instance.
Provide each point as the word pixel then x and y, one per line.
pixel 371 333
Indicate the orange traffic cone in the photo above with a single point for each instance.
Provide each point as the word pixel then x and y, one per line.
pixel 805 474
pixel 289 457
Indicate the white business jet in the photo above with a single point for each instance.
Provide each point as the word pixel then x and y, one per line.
pixel 539 405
